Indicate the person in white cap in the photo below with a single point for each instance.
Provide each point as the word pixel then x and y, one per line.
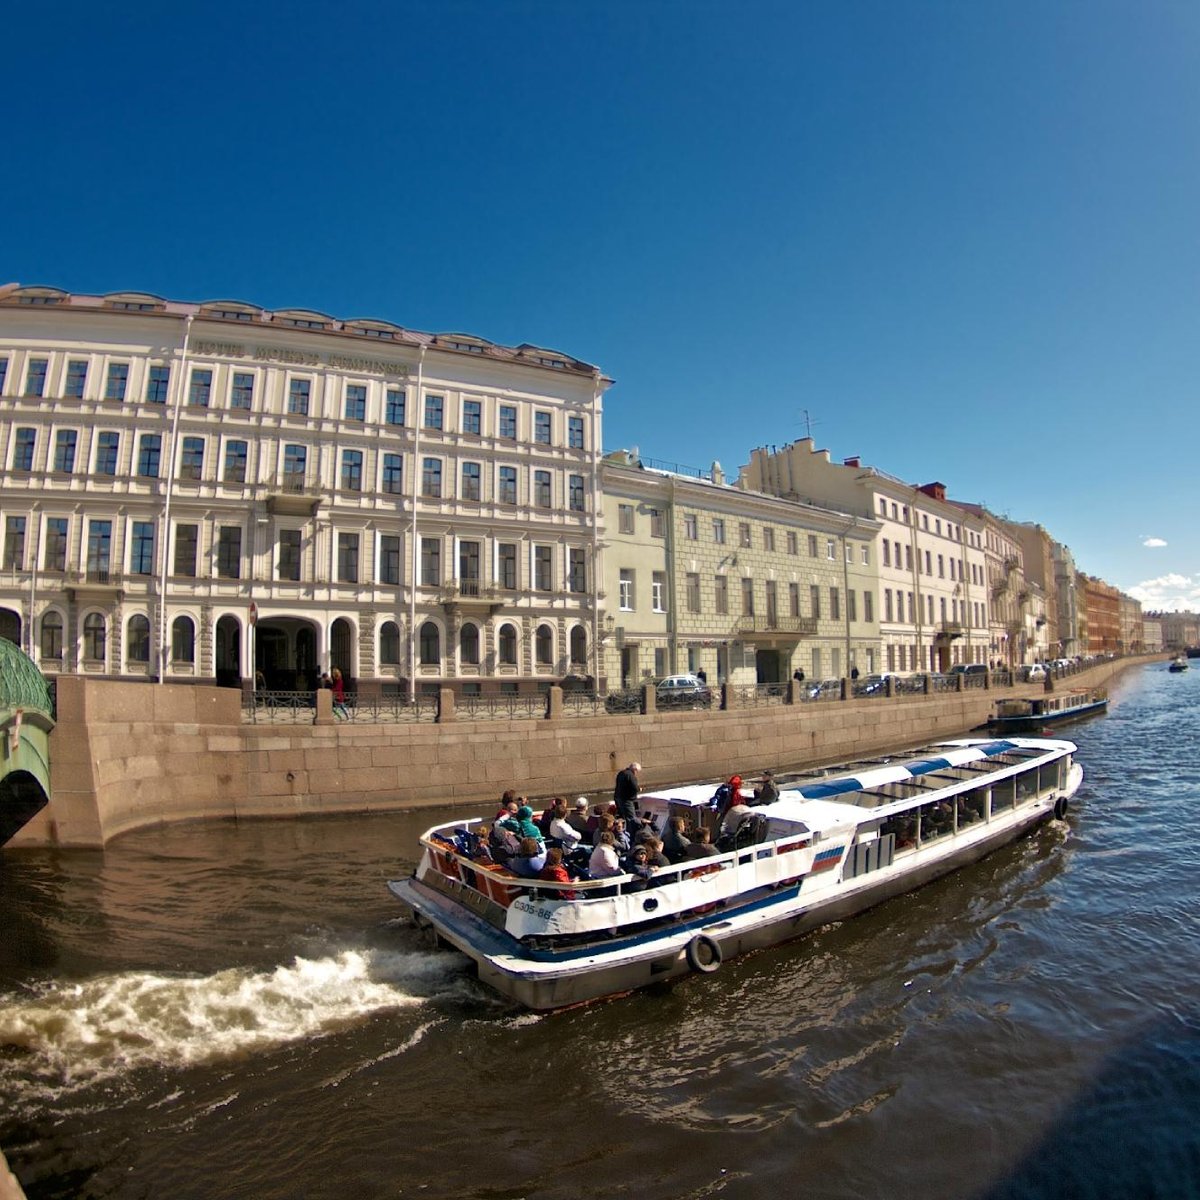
pixel 578 817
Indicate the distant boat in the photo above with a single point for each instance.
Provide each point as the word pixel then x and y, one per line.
pixel 1193 652
pixel 1178 663
pixel 1031 716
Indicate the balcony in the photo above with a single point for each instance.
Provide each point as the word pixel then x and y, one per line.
pixel 471 595
pixel 947 631
pixel 799 626
pixel 96 583
pixel 293 494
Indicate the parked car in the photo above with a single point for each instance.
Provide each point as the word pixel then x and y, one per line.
pixel 1034 672
pixel 683 691
pixel 871 685
pixel 969 669
pixel 823 689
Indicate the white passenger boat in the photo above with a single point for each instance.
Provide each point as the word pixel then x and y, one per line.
pixel 1043 712
pixel 835 842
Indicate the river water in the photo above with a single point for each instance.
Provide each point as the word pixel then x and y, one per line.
pixel 239 1011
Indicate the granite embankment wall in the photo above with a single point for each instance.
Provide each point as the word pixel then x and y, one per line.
pixel 128 755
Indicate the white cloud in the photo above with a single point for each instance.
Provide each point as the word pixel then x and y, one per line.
pixel 1169 593
pixel 1153 542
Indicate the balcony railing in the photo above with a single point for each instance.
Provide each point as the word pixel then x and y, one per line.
pixel 803 626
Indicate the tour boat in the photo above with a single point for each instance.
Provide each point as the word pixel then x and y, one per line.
pixel 1178 663
pixel 1032 716
pixel 837 841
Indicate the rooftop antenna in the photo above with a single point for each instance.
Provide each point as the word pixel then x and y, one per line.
pixel 808 423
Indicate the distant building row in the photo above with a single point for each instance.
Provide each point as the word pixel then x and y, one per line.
pixel 217 491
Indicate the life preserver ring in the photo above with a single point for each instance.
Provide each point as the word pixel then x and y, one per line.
pixel 704 954
pixel 1060 808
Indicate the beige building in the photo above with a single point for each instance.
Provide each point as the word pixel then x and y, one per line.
pixel 747 587
pixel 210 491
pixel 933 603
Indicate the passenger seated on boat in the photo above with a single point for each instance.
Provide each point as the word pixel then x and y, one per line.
pixel 604 862
pixel 555 872
pixel 654 853
pixel 561 831
pixel 675 840
pixel 700 846
pixel 766 792
pixel 502 842
pixel 523 824
pixel 726 796
pixel 579 815
pixel 529 859
pixel 637 864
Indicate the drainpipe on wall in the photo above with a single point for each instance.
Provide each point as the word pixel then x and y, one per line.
pixel 166 517
pixel 850 664
pixel 596 391
pixel 415 552
pixel 35 544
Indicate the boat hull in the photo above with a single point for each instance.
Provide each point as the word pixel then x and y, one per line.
pixel 1034 724
pixel 550 981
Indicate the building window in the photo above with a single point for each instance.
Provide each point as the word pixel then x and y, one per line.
pixel 430 645
pixel 657 528
pixel 3 374
pixel 658 591
pixel 541 428
pixel 107 446
pixel 183 640
pixel 200 389
pixel 575 493
pixel 866 555
pixel 812 545
pixel 431 562
pixel 747 597
pixel 352 464
pixel 64 451
pixel 431 478
pixel 298 396
pixel 118 378
pixel 389 559
pixel 229 552
pixel 289 554
pixel 235 461
pixel 23 449
pixel 576 570
pixel 389 644
pixel 794 599
pixel 625 518
pixel 887 555
pixel 508 422
pixel 690 529
pixel 718 527
pixel 744 538
pixel 508 485
pixel 472 417
pixel 575 433
pixel 506 563
pixel 76 378
pixel 721 595
pixel 186 541
pixel 99 551
pixel 241 393
pixel 95 638
pixel 295 465
pixel 831 549
pixel 468 645
pixel 141 548
pixel 14 543
pixel 434 412
pixel 347 558
pixel 35 377
pixel 507 645
pixel 356 402
pixel 814 597
pixel 393 474
pixel 149 451
pixel 626 590
pixel 543 568
pixel 693 592
pixel 851 605
pixel 191 464
pixel 544 646
pixel 793 542
pixel 835 604
pixel 471 481
pixel 768 538
pixel 578 645
pixel 54 553
pixel 52 635
pixel 393 412
pixel 541 489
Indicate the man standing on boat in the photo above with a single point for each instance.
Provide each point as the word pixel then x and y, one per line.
pixel 625 795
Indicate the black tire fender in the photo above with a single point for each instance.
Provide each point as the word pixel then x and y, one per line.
pixel 704 954
pixel 1060 808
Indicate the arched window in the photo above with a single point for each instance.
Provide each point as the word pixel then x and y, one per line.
pixel 468 645
pixel 52 635
pixel 183 640
pixel 508 646
pixel 137 639
pixel 431 645
pixel 95 638
pixel 341 648
pixel 544 646
pixel 389 644
pixel 578 645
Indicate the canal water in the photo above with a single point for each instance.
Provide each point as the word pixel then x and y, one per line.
pixel 239 1011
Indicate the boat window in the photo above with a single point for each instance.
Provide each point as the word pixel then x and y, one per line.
pixel 1048 778
pixel 971 807
pixel 903 827
pixel 1002 795
pixel 1027 786
pixel 937 820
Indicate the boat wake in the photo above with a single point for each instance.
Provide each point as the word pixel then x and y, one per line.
pixel 72 1035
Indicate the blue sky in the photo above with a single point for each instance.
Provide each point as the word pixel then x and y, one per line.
pixel 961 237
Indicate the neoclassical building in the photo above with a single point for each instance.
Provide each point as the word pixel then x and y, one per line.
pixel 213 491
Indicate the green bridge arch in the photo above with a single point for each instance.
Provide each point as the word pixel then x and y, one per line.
pixel 26 719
